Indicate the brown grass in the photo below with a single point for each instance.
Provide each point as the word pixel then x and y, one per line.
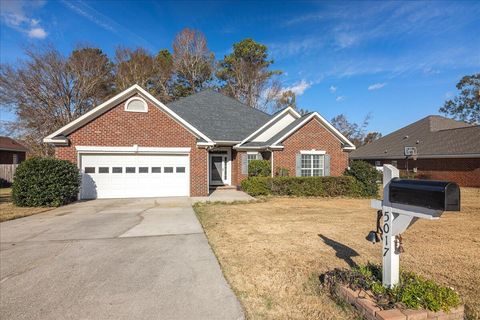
pixel 272 253
pixel 8 211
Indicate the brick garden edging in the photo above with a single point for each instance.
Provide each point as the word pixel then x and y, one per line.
pixel 370 311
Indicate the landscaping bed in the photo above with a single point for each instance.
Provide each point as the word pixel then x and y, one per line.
pixel 273 252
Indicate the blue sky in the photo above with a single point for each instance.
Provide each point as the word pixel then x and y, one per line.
pixel 397 60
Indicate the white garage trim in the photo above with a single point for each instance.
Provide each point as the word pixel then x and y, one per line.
pixel 132 149
pixel 134 175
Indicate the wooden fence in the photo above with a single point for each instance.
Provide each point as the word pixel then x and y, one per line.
pixel 6 173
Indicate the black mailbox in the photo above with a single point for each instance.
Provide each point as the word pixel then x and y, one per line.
pixel 436 195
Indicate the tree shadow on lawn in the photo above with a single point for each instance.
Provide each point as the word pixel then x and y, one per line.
pixel 341 251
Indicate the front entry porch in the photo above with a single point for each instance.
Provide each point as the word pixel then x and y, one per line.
pixel 220 167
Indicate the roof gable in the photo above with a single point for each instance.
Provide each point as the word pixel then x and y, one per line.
pixel 276 140
pixel 58 137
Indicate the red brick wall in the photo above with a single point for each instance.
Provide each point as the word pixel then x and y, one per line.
pixel 465 172
pixel 313 135
pixel 118 127
pixel 6 157
pixel 237 175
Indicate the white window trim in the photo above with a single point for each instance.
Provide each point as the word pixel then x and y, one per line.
pixel 145 105
pixel 312 153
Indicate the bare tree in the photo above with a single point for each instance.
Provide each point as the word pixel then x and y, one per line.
pixel 138 66
pixel 352 131
pixel 192 61
pixel 286 99
pixel 133 67
pixel 49 90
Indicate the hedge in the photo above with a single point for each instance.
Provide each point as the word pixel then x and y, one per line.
pixel 366 175
pixel 303 186
pixel 259 168
pixel 45 182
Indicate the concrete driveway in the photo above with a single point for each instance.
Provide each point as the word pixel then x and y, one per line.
pixel 112 259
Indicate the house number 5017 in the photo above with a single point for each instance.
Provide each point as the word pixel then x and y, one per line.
pixel 386 230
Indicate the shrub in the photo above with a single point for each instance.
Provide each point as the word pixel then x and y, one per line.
pixel 259 168
pixel 42 182
pixel 366 175
pixel 413 291
pixel 283 172
pixel 302 186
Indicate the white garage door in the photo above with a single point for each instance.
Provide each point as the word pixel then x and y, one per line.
pixel 134 176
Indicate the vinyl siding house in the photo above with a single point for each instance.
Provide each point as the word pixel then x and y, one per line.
pixel 133 145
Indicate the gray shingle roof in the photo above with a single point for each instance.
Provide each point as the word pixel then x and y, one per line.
pixel 219 117
pixel 436 136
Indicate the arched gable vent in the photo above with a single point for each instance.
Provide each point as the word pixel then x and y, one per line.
pixel 136 104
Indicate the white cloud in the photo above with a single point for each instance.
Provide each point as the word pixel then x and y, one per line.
pixel 332 89
pixel 376 86
pixel 298 88
pixel 38 33
pixel 17 15
pixel 105 22
pixel 345 40
pixel 340 98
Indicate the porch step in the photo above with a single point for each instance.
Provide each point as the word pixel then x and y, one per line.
pixel 224 188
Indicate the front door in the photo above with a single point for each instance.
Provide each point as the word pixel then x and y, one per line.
pixel 219 169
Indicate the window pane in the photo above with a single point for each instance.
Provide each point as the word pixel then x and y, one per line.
pixel 168 169
pixel 117 170
pixel 316 161
pixel 89 169
pixel 306 161
pixel 180 169
pixel 156 169
pixel 316 172
pixel 143 170
pixel 306 173
pixel 103 170
pixel 130 170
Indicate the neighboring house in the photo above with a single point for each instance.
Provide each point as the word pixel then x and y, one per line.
pixel 440 148
pixel 135 146
pixel 11 151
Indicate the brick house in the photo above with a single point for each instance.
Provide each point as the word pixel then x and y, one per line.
pixel 135 146
pixel 11 151
pixel 434 148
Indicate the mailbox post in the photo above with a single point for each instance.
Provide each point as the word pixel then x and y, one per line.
pixel 404 202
